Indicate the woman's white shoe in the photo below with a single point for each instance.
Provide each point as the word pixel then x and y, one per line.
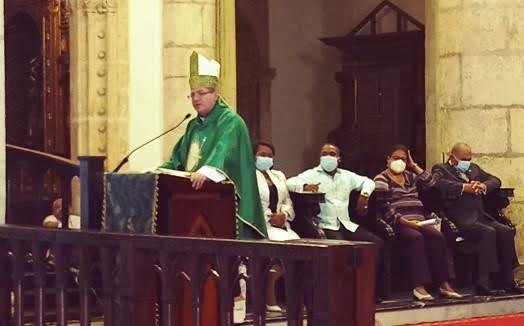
pixel 422 296
pixel 449 294
pixel 273 308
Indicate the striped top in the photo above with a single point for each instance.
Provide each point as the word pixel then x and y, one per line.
pixel 404 201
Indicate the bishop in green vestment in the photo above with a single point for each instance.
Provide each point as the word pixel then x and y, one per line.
pixel 217 142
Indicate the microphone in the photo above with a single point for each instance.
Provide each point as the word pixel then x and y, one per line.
pixel 126 159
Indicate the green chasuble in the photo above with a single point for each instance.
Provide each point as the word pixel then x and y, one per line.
pixel 221 140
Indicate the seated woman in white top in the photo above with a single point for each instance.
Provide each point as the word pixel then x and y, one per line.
pixel 278 210
pixel 274 196
pixel 55 219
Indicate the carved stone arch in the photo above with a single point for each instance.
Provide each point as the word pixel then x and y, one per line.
pixel 253 73
pixel 248 64
pixel 30 8
pixel 23 71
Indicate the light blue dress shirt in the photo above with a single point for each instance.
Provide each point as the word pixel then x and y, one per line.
pixel 337 189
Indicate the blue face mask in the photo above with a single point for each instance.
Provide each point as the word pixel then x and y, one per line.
pixel 329 163
pixel 463 166
pixel 264 163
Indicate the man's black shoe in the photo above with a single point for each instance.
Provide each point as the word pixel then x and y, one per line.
pixel 514 289
pixel 482 290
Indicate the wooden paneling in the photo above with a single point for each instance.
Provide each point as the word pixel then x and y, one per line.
pixel 37 74
pixel 382 91
pixel 37 86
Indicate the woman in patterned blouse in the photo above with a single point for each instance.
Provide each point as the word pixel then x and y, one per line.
pixel 423 246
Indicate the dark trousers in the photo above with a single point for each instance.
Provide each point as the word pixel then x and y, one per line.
pixel 361 234
pixel 425 252
pixel 495 250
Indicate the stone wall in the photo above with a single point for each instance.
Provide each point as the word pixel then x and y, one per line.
pixel 475 88
pixel 194 30
pixel 108 111
pixel 206 26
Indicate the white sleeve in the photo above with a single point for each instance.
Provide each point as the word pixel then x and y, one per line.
pixel 297 183
pixel 287 204
pixel 212 173
pixel 362 184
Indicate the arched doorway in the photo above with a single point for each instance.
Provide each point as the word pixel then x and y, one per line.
pixel 23 91
pixel 253 73
pixel 37 74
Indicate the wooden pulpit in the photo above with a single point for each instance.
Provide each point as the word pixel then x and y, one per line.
pixel 183 211
pixel 209 213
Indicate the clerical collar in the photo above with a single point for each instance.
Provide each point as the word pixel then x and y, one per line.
pixel 202 118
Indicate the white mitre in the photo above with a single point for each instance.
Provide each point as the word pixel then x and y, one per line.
pixel 203 72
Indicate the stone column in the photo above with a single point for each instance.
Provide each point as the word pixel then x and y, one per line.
pixel 475 88
pixel 99 79
pixel 145 82
pixel 226 49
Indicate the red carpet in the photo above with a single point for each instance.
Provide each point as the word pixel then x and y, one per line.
pixel 508 320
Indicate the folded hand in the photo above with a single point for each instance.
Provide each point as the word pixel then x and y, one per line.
pixel 198 180
pixel 277 219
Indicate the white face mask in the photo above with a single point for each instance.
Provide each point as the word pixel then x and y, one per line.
pixel 328 163
pixel 263 163
pixel 397 166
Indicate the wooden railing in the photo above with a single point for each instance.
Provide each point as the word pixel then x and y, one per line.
pixel 30 175
pixel 28 202
pixel 319 275
pixel 53 275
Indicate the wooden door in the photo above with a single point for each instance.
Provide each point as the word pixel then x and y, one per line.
pixel 253 73
pixel 37 74
pixel 384 114
pixel 382 91
pixel 37 98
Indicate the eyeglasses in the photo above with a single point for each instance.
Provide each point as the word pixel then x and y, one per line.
pixel 198 94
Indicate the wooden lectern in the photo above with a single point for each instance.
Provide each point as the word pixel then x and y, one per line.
pixel 183 211
pixel 209 213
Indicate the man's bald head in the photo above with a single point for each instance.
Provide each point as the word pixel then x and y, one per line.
pixel 460 147
pixel 460 151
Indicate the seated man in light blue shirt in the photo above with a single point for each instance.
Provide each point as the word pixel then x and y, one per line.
pixel 337 185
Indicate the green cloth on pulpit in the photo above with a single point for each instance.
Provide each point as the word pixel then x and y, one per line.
pixel 221 140
pixel 130 202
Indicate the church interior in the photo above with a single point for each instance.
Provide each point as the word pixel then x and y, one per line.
pixel 88 83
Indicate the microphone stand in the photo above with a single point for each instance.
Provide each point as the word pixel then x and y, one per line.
pixel 126 159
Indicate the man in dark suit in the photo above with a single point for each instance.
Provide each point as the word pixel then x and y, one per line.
pixel 462 185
